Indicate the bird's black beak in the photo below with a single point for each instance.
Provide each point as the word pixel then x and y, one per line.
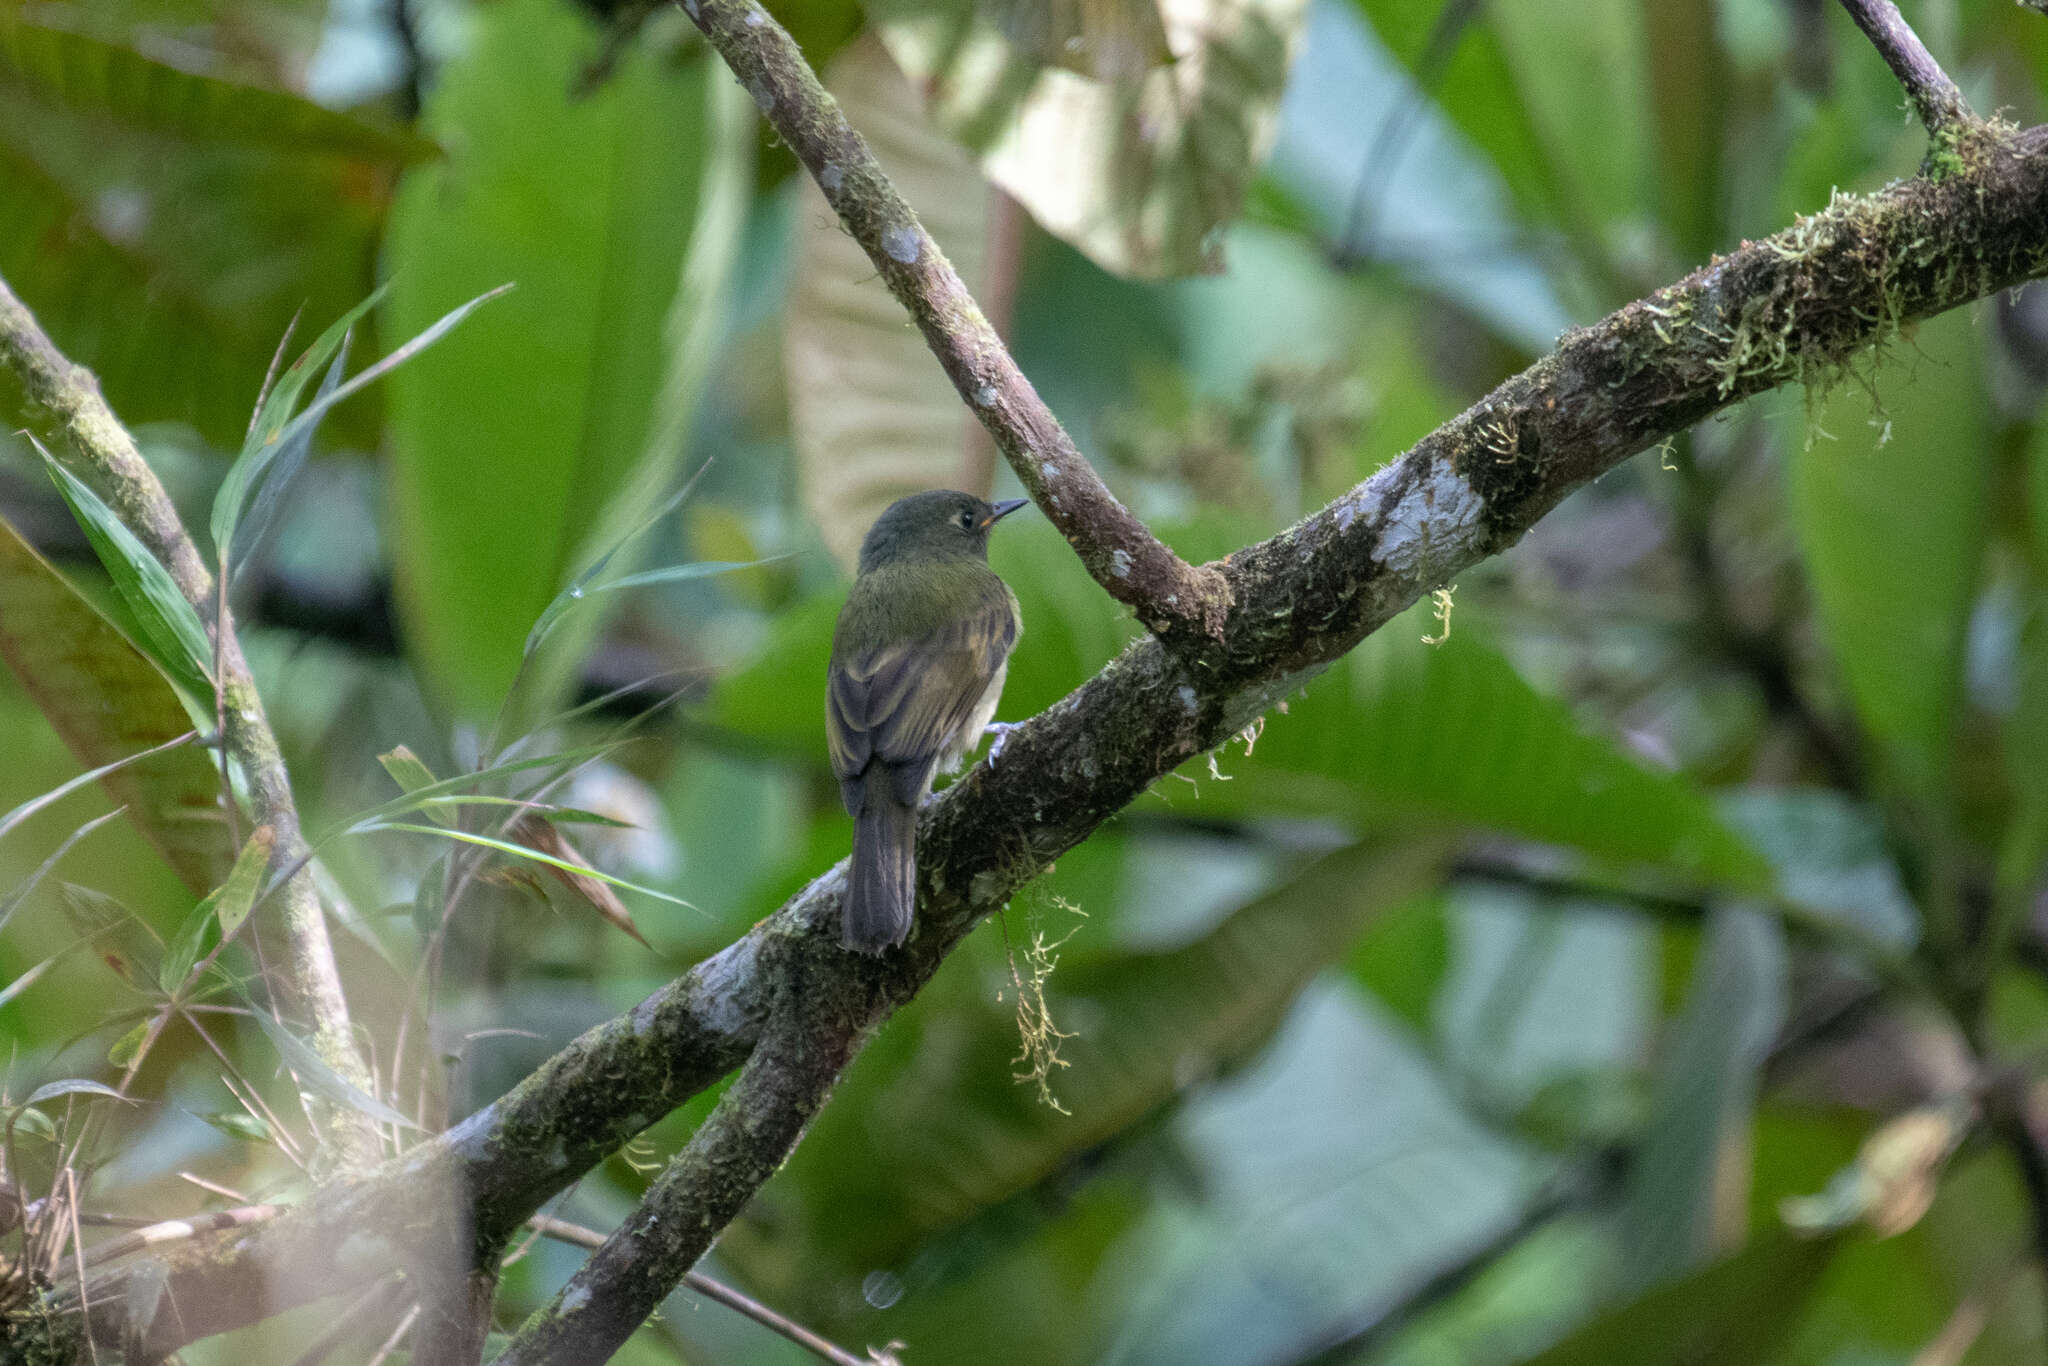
pixel 1004 509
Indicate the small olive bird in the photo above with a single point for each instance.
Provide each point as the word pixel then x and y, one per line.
pixel 918 660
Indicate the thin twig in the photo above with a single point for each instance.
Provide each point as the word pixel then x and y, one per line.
pixel 364 1309
pixel 1935 97
pixel 1173 598
pixel 383 1353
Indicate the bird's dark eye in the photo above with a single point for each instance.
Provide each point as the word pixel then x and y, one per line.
pixel 967 521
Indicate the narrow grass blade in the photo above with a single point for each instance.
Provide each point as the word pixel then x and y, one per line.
pixel 171 629
pixel 520 851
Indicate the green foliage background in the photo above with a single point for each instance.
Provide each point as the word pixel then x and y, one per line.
pixel 1484 1005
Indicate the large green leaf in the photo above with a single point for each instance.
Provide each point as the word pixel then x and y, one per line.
pixel 872 415
pixel 1471 83
pixel 1139 175
pixel 1676 1211
pixel 510 443
pixel 84 74
pixel 166 226
pixel 1889 507
pixel 1452 730
pixel 931 1127
pixel 1583 83
pixel 1736 1312
pixel 107 701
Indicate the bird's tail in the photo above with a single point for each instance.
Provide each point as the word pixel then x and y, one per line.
pixel 881 890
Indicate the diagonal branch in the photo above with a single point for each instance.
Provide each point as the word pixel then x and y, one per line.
pixel 1173 598
pixel 1935 97
pixel 1798 306
pixel 102 453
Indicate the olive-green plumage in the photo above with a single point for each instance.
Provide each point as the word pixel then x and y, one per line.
pixel 917 667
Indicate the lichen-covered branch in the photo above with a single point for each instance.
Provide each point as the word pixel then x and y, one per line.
pixel 1935 98
pixel 1800 306
pixel 1172 597
pixel 101 452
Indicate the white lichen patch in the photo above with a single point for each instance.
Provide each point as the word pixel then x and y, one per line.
pixel 1433 529
pixel 901 244
pixel 986 395
pixel 574 1298
pixel 831 177
pixel 1120 563
pixel 1185 695
pixel 755 18
pixel 1050 471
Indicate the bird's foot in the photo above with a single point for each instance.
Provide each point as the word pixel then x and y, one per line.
pixel 1002 731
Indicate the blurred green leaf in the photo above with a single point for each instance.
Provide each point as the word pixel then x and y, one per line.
pixel 237 896
pixel 1107 40
pixel 508 447
pixel 1473 86
pixel 1889 506
pixel 1737 1312
pixel 935 1126
pixel 118 938
pixel 1398 726
pixel 75 71
pixel 128 1047
pixel 170 627
pixel 1585 86
pixel 166 225
pixel 1401 959
pixel 1678 1204
pixel 1140 176
pixel 236 1124
pixel 872 415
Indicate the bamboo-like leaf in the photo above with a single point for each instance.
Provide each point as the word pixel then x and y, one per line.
pixel 118 937
pixel 238 893
pixel 459 785
pixel 302 426
pixel 236 1124
pixel 19 892
pixel 71 785
pixel 314 1072
pixel 674 573
pixel 222 910
pixel 75 1087
pixel 264 449
pixel 517 851
pixel 115 712
pixel 541 836
pixel 171 630
pixel 412 776
pixel 26 980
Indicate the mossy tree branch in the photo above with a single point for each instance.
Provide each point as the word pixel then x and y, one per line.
pixel 101 452
pixel 1177 600
pixel 1799 306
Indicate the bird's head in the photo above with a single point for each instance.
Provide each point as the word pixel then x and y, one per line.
pixel 936 524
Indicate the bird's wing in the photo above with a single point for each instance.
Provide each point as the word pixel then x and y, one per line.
pixel 904 702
